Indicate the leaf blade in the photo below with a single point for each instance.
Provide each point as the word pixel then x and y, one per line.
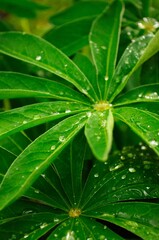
pixel 98 131
pixel 104 45
pixel 39 52
pixel 36 158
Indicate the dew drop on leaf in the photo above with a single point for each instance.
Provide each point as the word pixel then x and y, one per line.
pixel 26 236
pixel 96 175
pixel 38 58
pixel 61 138
pixel 132 170
pixel 53 147
pixel 153 143
pixel 43 225
pixel 68 111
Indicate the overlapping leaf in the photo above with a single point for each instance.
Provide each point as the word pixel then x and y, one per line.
pixel 104 39
pixel 146 93
pixel 139 51
pixel 15 85
pixel 28 116
pixel 37 157
pixel 99 133
pixel 39 52
pixel 144 123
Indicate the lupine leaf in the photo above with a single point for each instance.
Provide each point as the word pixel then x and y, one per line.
pixel 138 217
pixel 16 85
pixel 28 116
pixel 139 51
pixel 143 123
pixel 99 131
pixel 104 39
pixel 37 157
pixel 26 219
pixel 146 93
pixel 126 175
pixel 39 52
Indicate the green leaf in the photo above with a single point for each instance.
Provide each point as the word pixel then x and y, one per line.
pixel 79 11
pixel 147 106
pixel 70 37
pixel 28 116
pixel 99 131
pixel 16 85
pixel 26 219
pixel 39 52
pixel 37 157
pixel 146 93
pixel 16 143
pixel 138 217
pixel 83 228
pixel 139 51
pixel 89 70
pixel 143 123
pixel 104 39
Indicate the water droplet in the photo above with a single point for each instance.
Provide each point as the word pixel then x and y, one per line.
pixel 56 220
pixel 96 175
pixel 38 58
pixel 113 168
pixel 106 78
pixel 123 177
pixel 61 139
pixel 53 147
pixel 37 191
pixel 43 175
pixel 153 143
pixel 88 114
pixel 25 121
pixel 26 235
pixel 68 111
pixel 104 47
pixel 104 123
pixel 153 95
pixel 43 225
pixel 84 91
pixel 132 170
pixel 36 168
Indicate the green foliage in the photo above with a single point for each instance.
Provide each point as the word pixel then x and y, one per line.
pixel 61 113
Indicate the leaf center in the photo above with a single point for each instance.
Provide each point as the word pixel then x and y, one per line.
pixel 74 212
pixel 102 106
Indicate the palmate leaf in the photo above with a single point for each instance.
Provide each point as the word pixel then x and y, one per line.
pixel 28 116
pixel 28 220
pixel 139 51
pixel 37 157
pixel 39 52
pixel 143 123
pixel 104 39
pixel 146 93
pixel 139 218
pixel 83 228
pixel 99 133
pixel 132 174
pixel 16 85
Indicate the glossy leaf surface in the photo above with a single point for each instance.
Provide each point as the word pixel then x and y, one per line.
pixel 143 123
pixel 99 131
pixel 37 157
pixel 140 50
pixel 104 39
pixel 28 116
pixel 39 52
pixel 16 85
pixel 146 93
